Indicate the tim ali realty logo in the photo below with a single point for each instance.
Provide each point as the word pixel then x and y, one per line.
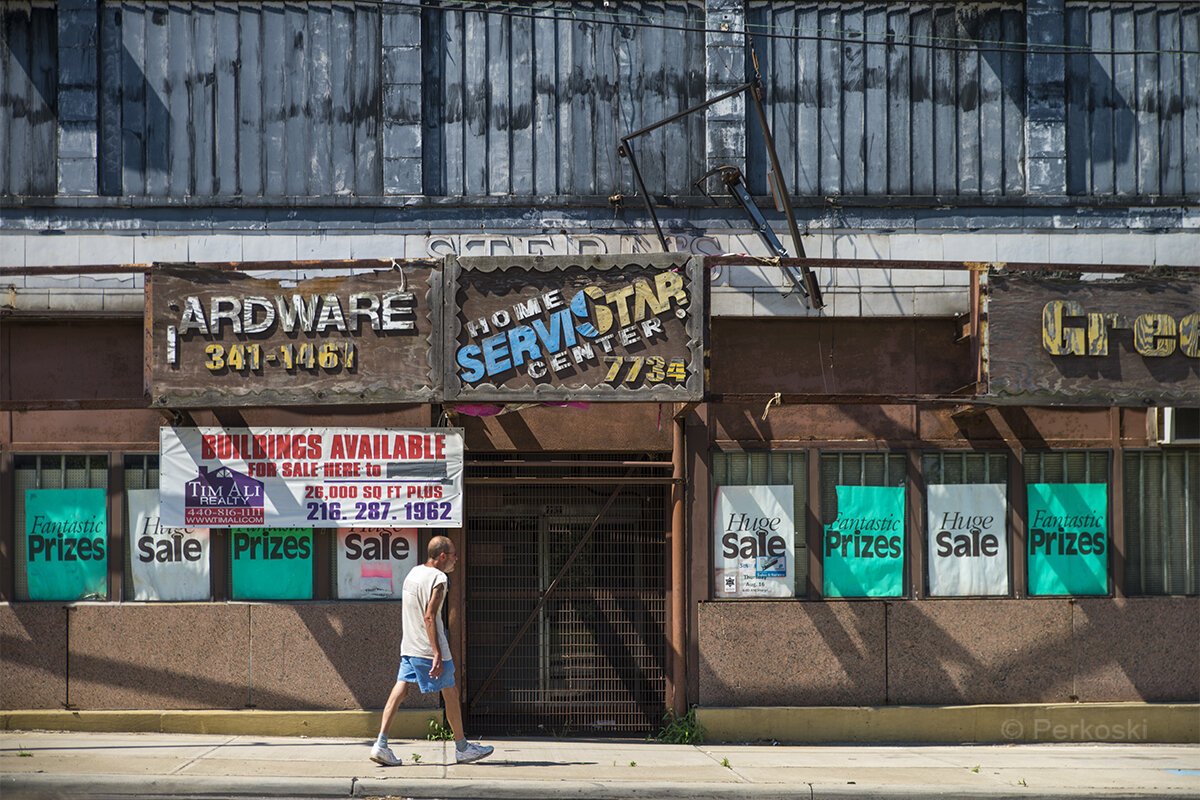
pixel 223 497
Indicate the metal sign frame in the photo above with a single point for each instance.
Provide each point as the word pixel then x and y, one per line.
pixel 373 379
pixel 1059 338
pixel 692 388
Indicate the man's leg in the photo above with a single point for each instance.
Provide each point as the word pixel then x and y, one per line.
pixel 464 751
pixel 399 692
pixel 454 712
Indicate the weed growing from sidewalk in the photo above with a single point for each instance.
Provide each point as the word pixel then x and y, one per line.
pixel 439 732
pixel 416 758
pixel 725 763
pixel 975 769
pixel 681 730
pixel 23 753
pixel 633 763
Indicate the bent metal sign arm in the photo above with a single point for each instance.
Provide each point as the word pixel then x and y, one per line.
pixel 220 338
pixel 1133 340
pixel 575 328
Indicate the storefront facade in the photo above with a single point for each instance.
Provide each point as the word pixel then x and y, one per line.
pixel 894 448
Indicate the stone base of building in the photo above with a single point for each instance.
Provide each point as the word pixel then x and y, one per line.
pixel 407 724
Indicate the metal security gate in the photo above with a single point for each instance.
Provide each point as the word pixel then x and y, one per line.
pixel 585 655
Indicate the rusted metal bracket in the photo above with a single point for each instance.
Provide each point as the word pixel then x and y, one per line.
pixel 178 417
pixel 806 280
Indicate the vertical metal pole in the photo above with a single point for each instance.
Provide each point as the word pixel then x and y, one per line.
pixel 678 569
pixel 115 493
pixel 1018 509
pixel 816 533
pixel 457 611
pixel 8 533
pixel 8 520
pixel 915 502
pixel 976 345
pixel 699 510
pixel 1116 524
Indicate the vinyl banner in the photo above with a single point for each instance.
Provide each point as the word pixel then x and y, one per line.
pixel 272 564
pixel 1068 538
pixel 864 546
pixel 66 544
pixel 755 541
pixel 968 541
pixel 311 477
pixel 372 563
pixel 167 563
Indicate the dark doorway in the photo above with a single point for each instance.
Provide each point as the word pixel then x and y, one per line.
pixel 592 660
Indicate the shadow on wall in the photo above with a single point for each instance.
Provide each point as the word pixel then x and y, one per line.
pixel 949 652
pixel 200 656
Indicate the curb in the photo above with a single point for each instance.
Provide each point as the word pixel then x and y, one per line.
pixel 113 787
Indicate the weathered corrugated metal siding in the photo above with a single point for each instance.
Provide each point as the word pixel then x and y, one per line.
pixel 851 118
pixel 28 91
pixel 1133 118
pixel 253 99
pixel 533 100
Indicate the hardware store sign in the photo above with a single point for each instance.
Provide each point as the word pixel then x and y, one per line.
pixel 1133 340
pixel 221 338
pixel 574 328
pixel 311 477
pixel 755 541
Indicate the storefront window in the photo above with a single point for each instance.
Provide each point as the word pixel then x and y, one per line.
pixel 1162 521
pixel 61 523
pixel 767 469
pixel 862 514
pixel 161 564
pixel 272 563
pixel 966 513
pixel 372 563
pixel 1068 536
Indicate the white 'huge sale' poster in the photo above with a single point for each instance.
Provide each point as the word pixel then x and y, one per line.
pixel 754 533
pixel 372 563
pixel 167 563
pixel 968 540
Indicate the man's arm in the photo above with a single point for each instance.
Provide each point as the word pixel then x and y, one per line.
pixel 431 612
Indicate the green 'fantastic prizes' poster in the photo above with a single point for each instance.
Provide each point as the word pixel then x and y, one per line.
pixel 864 547
pixel 66 544
pixel 272 563
pixel 1067 541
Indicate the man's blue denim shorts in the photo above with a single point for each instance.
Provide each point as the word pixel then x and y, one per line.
pixel 416 670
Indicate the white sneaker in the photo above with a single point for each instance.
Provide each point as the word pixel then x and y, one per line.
pixel 473 752
pixel 382 754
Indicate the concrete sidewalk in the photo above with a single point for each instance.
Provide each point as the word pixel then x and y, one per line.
pixel 108 765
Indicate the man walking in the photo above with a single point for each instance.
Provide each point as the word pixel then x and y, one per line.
pixel 425 657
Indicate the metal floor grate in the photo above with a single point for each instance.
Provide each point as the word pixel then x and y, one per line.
pixel 593 662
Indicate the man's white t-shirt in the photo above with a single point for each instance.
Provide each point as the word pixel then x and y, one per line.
pixel 418 588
